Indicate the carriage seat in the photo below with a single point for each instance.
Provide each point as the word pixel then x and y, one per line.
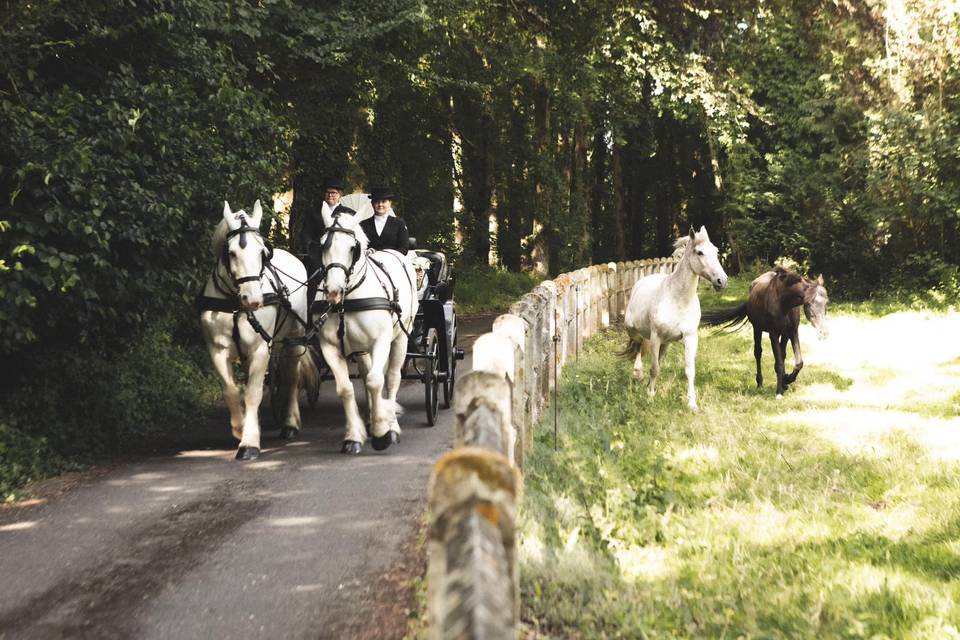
pixel 439 270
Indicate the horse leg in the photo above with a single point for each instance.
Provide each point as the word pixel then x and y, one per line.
pixel 231 392
pixel 393 374
pixel 797 356
pixel 757 352
pixel 353 437
pixel 654 363
pixel 290 391
pixel 381 411
pixel 777 362
pixel 257 362
pixel 638 360
pixel 363 367
pixel 690 356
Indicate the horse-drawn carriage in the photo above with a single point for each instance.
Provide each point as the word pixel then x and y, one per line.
pixel 394 320
pixel 432 350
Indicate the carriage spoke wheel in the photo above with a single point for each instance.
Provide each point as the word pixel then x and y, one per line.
pixel 451 371
pixel 431 382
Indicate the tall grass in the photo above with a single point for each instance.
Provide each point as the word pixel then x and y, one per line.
pixel 832 513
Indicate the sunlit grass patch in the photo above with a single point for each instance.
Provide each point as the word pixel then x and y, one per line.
pixel 833 512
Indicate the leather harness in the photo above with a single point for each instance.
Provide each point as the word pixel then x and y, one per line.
pixel 231 303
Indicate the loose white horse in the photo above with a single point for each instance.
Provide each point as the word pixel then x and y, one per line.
pixel 664 308
pixel 242 312
pixel 372 302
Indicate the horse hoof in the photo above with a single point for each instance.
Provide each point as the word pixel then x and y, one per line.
pixel 248 453
pixel 351 447
pixel 384 441
pixel 779 396
pixel 289 433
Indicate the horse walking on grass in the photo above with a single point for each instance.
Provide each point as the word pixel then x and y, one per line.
pixel 253 297
pixel 664 308
pixel 773 305
pixel 372 304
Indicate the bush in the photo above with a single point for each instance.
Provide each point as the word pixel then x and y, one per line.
pixel 24 458
pixel 482 288
pixel 74 406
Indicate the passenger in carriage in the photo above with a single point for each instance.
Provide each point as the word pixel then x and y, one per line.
pixel 313 227
pixel 385 231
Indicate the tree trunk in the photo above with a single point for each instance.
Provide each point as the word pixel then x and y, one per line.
pixel 601 250
pixel 474 128
pixel 540 249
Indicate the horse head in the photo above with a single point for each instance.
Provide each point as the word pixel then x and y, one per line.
pixel 703 258
pixel 815 305
pixel 343 246
pixel 245 253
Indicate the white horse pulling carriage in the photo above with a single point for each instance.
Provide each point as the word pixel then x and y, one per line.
pixel 254 298
pixel 394 320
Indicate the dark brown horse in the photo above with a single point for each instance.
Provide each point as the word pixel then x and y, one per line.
pixel 773 305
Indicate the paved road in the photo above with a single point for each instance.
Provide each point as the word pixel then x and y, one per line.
pixel 302 543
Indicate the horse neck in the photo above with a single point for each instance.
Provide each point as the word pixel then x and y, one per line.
pixel 683 281
pixel 358 272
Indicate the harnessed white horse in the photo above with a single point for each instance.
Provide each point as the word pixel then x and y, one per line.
pixel 664 308
pixel 372 306
pixel 254 296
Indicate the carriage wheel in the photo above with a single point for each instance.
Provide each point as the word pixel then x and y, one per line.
pixel 273 386
pixel 451 371
pixel 431 382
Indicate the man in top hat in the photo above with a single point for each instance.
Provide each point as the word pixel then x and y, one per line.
pixel 313 227
pixel 385 231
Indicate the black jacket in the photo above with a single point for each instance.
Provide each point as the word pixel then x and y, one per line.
pixel 394 235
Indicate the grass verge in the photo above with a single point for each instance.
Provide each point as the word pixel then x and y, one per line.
pixel 832 513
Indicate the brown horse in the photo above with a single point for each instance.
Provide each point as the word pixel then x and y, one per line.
pixel 773 306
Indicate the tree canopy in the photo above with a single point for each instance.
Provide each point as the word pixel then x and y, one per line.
pixel 531 134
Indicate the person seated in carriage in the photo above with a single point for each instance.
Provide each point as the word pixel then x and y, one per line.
pixel 313 228
pixel 384 229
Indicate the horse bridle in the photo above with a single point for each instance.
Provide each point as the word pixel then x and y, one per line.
pixel 265 256
pixel 336 227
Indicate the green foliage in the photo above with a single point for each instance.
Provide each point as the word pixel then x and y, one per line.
pixel 83 402
pixel 821 515
pixel 24 457
pixel 484 289
pixel 115 165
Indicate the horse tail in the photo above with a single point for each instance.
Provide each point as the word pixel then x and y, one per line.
pixel 732 318
pixel 630 351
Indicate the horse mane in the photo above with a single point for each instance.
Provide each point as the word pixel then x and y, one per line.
pixel 681 243
pixel 219 237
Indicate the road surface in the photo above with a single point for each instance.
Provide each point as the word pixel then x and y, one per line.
pixel 302 543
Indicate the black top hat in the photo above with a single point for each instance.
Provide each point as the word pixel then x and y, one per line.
pixel 381 193
pixel 332 183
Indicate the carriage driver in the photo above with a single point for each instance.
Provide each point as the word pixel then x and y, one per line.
pixel 313 228
pixel 384 229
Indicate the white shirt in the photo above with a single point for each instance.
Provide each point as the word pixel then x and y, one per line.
pixel 327 210
pixel 379 222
